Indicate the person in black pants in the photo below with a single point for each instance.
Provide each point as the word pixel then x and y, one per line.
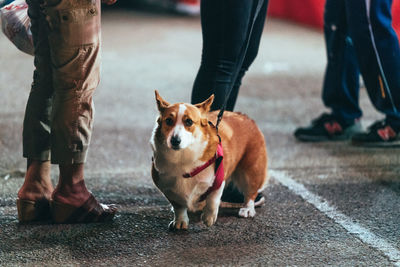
pixel 226 28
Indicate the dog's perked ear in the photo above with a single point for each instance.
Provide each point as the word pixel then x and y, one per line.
pixel 206 105
pixel 161 103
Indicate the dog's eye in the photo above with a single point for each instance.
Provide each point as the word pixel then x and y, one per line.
pixel 188 122
pixel 169 122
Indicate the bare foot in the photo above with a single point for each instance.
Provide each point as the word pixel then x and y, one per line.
pixel 71 188
pixel 37 184
pixel 71 191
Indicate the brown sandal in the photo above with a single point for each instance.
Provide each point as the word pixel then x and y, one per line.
pixel 90 211
pixel 32 211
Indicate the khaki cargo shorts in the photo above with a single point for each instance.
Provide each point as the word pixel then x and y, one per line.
pixel 59 114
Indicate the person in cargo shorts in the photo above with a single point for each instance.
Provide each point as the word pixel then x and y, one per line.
pixel 59 113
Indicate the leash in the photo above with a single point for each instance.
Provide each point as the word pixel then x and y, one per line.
pixel 239 64
pixel 218 158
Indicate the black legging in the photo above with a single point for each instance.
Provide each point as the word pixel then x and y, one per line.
pixel 225 27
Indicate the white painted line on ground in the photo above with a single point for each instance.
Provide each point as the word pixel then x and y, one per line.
pixel 322 205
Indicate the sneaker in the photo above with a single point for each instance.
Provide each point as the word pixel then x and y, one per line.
pixel 327 128
pixel 232 198
pixel 379 134
pixel 188 7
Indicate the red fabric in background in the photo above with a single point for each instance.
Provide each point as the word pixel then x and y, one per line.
pixel 311 12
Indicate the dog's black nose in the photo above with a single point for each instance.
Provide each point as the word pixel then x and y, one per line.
pixel 175 141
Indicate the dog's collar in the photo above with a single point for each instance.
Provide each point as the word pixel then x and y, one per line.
pixel 219 171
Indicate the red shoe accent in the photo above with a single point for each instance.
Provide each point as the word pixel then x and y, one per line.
pixel 387 133
pixel 189 2
pixel 188 7
pixel 333 127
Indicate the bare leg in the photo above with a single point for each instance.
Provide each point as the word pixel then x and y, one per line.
pixel 71 188
pixel 37 184
pixel 73 203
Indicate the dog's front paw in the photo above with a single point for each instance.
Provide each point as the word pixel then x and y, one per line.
pixel 178 225
pixel 209 217
pixel 247 212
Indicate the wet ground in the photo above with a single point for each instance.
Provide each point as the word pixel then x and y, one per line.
pixel 326 203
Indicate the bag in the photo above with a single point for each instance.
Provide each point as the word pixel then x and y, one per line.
pixel 16 25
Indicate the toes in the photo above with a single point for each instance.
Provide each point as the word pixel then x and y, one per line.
pixel 208 219
pixel 178 225
pixel 247 212
pixel 182 225
pixel 243 212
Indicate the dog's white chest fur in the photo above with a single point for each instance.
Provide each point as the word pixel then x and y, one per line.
pixel 184 191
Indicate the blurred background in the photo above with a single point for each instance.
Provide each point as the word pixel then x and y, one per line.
pixel 306 12
pixel 156 44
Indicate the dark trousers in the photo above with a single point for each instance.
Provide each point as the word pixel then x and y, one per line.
pixel 360 39
pixel 225 27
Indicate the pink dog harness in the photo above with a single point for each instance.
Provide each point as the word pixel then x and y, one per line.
pixel 219 171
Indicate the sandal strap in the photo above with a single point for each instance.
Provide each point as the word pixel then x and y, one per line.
pixel 90 211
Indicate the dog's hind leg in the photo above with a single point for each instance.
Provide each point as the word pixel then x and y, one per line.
pixel 252 182
pixel 250 186
pixel 248 210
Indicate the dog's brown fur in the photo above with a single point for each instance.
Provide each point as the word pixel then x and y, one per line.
pixel 245 158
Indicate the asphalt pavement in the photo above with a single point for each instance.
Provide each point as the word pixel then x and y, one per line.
pixel 326 203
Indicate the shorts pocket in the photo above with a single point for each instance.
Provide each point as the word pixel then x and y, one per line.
pixel 76 68
pixel 74 24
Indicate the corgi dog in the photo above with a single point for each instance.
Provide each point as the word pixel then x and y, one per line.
pixel 192 162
